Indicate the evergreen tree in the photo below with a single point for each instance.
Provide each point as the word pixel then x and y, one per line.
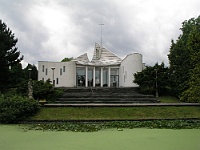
pixel 9 54
pixel 16 75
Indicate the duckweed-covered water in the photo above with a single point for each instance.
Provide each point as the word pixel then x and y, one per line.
pixel 13 137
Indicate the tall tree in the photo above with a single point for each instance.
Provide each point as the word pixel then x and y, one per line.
pixel 9 54
pixel 33 73
pixel 180 58
pixel 193 92
pixel 17 75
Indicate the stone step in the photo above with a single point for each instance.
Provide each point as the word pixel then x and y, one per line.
pixel 104 99
pixel 106 96
pixel 79 90
pixel 105 102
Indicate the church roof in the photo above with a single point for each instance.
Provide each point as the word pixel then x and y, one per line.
pixel 82 59
pixel 101 57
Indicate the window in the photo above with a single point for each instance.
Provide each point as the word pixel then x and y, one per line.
pixel 46 71
pixel 63 68
pixel 57 81
pixel 114 71
pixel 43 79
pixel 42 68
pixel 61 71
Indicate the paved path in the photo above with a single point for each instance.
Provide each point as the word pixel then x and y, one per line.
pixel 121 105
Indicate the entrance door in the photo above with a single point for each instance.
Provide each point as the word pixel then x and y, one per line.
pixel 105 77
pixel 114 80
pixel 114 77
pixel 90 77
pixel 80 77
pixel 97 77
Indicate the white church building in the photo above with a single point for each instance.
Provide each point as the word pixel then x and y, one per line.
pixel 104 70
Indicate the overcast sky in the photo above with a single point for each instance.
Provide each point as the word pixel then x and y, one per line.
pixel 50 30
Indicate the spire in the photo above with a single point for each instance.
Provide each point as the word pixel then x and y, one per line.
pixel 101 24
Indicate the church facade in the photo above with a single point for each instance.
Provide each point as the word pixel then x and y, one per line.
pixel 104 70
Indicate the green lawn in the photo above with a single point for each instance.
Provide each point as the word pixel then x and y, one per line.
pixel 98 113
pixel 14 138
pixel 169 99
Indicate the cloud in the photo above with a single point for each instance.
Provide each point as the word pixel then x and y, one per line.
pixel 51 30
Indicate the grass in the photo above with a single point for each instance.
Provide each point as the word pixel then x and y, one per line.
pixel 169 99
pixel 118 113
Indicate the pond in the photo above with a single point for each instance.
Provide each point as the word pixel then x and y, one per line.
pixel 13 137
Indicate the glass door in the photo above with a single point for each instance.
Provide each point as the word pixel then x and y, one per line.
pixel 114 77
pixel 97 77
pixel 105 77
pixel 90 77
pixel 80 77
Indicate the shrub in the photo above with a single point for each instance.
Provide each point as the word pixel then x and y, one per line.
pixel 45 90
pixel 16 108
pixel 22 88
pixel 41 90
pixel 191 95
pixel 146 90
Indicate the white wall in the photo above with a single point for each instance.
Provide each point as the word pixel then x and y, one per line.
pixel 66 78
pixel 130 64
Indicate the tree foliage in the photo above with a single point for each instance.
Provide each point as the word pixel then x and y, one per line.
pixel 15 108
pixel 184 61
pixel 45 90
pixel 20 75
pixel 180 57
pixel 66 59
pixel 9 54
pixel 41 90
pixel 33 73
pixel 193 92
pixel 149 76
pixel 16 75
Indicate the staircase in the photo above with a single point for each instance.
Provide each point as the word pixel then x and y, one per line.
pixel 104 96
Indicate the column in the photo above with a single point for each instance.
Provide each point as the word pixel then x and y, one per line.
pixel 101 77
pixel 94 76
pixel 86 76
pixel 108 76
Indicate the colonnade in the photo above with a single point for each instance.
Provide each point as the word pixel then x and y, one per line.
pixel 97 76
pixel 96 80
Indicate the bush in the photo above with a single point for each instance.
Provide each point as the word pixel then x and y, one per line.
pixel 22 88
pixel 45 90
pixel 191 95
pixel 193 92
pixel 41 90
pixel 147 90
pixel 16 108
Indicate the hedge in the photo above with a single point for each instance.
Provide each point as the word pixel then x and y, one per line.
pixel 16 108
